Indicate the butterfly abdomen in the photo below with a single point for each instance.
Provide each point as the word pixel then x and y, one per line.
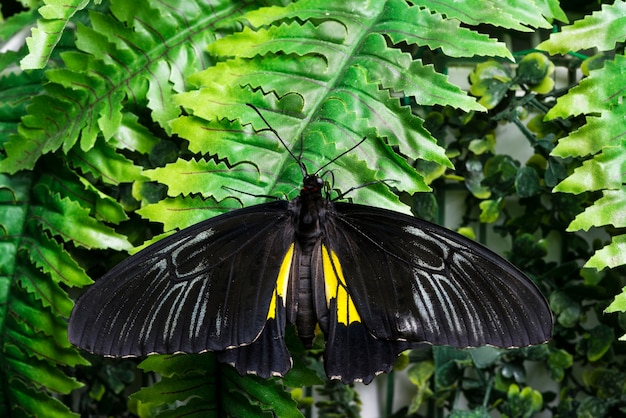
pixel 305 315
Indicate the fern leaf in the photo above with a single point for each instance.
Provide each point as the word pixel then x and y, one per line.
pixel 119 61
pixel 324 84
pixel 611 255
pixel 52 259
pixel 521 15
pixel 599 132
pixel 104 163
pixel 608 210
pixel 601 140
pixel 602 30
pixel 71 222
pixel 33 325
pixel 196 378
pixel 425 28
pixel 56 15
pixel 183 211
pixel 602 90
pixel 604 171
pixel 39 404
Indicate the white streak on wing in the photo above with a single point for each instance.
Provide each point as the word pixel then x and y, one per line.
pixel 157 309
pixel 192 242
pixel 444 288
pixel 177 307
pixel 421 235
pixel 439 282
pixel 218 324
pixel 129 322
pixel 424 303
pixel 129 325
pixel 468 311
pixel 174 311
pixel 170 326
pixel 445 302
pixel 148 323
pixel 199 312
pixel 494 319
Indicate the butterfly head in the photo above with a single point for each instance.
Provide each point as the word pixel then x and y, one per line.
pixel 312 183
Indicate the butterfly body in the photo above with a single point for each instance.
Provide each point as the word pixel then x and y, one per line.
pixel 308 213
pixel 375 281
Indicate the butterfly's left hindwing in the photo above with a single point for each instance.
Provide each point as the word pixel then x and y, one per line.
pixel 212 286
pixel 414 281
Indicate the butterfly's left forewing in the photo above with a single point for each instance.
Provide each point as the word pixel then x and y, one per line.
pixel 414 281
pixel 214 286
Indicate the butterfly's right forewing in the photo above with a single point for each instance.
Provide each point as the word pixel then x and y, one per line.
pixel 208 287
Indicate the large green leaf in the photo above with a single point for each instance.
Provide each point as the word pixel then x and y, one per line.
pixel 611 255
pixel 600 91
pixel 56 15
pixel 601 141
pixel 34 306
pixel 122 58
pixel 607 210
pixel 605 171
pixel 599 132
pixel 325 91
pixel 209 389
pixel 521 15
pixel 601 30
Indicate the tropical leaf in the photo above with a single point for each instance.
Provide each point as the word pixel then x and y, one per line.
pixel 601 140
pixel 122 59
pixel 35 306
pixel 517 14
pixel 601 91
pixel 604 171
pixel 198 379
pixel 56 15
pixel 599 132
pixel 323 84
pixel 601 30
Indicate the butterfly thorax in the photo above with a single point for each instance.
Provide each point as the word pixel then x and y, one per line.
pixel 309 211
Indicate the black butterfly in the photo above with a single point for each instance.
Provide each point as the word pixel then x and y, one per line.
pixel 375 281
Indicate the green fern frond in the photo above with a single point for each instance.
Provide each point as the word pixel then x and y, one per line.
pixel 519 15
pixel 56 16
pixel 36 268
pixel 122 61
pixel 601 30
pixel 601 141
pixel 323 75
pixel 198 379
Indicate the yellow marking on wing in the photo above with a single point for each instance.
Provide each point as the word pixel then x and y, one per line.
pixel 281 282
pixel 336 288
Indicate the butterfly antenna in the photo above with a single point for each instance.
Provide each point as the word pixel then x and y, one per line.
pixel 360 186
pixel 352 148
pixel 263 196
pixel 275 132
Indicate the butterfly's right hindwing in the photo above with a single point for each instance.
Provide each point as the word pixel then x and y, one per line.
pixel 208 287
